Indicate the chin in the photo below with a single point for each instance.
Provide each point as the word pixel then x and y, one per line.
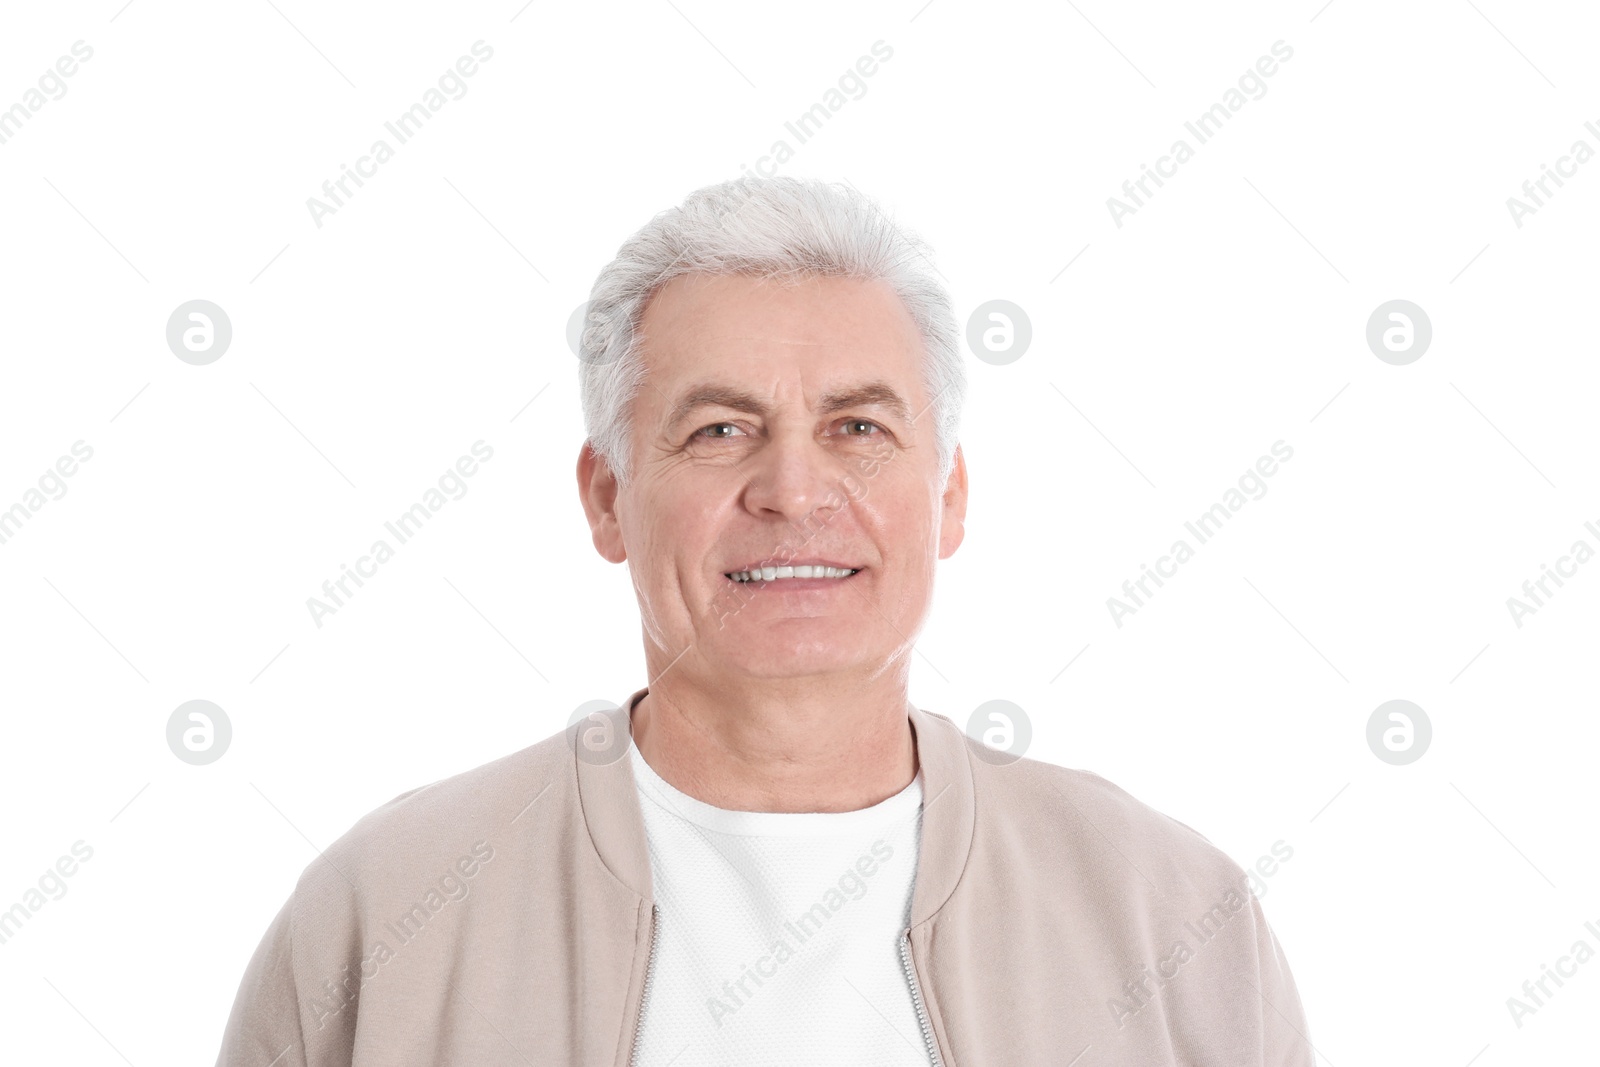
pixel 781 659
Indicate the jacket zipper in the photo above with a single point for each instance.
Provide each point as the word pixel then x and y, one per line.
pixel 916 998
pixel 644 994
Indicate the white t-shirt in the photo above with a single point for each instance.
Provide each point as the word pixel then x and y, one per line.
pixel 778 936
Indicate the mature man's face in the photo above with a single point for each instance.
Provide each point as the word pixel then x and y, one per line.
pixel 781 422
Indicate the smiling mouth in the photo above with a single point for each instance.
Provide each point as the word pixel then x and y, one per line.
pixel 816 574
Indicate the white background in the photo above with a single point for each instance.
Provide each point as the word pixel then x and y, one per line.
pixel 430 312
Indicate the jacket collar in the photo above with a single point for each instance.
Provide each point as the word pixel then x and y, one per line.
pixel 610 803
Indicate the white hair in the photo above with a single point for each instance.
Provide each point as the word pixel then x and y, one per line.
pixel 780 227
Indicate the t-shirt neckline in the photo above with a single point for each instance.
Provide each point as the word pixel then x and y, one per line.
pixel 674 801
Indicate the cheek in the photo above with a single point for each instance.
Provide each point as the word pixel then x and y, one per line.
pixel 907 512
pixel 677 540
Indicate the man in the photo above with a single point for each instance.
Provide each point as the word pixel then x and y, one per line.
pixel 768 855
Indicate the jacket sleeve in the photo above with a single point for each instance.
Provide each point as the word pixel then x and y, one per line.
pixel 283 1016
pixel 1285 1037
pixel 264 1026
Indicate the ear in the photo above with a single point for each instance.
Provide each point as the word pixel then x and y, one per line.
pixel 597 489
pixel 952 526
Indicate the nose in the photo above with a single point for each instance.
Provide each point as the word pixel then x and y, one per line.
pixel 794 476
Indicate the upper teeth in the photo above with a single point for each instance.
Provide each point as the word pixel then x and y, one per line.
pixel 767 574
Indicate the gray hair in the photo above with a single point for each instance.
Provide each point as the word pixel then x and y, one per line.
pixel 780 227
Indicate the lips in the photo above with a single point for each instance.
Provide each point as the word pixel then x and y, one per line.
pixel 813 561
pixel 793 577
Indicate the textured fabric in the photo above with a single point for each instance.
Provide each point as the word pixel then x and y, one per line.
pixel 779 941
pixel 505 916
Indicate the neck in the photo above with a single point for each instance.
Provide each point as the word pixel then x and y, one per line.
pixel 799 747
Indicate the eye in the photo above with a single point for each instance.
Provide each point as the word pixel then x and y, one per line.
pixel 715 425
pixel 711 431
pixel 863 422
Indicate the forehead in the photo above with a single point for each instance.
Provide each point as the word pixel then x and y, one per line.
pixel 699 323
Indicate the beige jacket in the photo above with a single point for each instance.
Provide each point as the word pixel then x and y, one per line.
pixel 504 916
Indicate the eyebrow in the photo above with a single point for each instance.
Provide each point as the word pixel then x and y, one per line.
pixel 875 393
